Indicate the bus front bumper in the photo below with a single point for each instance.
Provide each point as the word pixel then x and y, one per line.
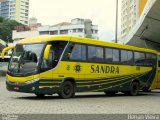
pixel 26 87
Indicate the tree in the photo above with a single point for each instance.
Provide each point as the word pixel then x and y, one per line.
pixel 6 27
pixel 89 36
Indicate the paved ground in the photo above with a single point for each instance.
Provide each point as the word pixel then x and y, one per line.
pixel 86 103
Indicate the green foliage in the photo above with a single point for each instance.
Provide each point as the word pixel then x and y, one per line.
pixel 6 27
pixel 89 36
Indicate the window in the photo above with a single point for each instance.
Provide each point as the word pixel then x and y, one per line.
pixel 115 55
pixel 63 31
pixel 44 32
pixel 95 54
pixel 77 52
pixel 139 58
pixel 150 59
pixel 80 30
pixel 126 56
pixel 74 30
pixel 111 55
pixel 158 61
pixel 54 56
pixel 53 32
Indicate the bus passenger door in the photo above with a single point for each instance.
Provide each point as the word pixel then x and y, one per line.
pixel 46 66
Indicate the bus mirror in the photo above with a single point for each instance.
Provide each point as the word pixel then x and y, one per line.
pixel 5 50
pixel 46 52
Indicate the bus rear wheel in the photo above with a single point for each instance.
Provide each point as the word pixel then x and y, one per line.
pixel 67 90
pixel 134 89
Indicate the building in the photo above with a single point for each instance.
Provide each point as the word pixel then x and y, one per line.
pixel 77 27
pixel 2 45
pixel 15 10
pixel 131 10
pixel 26 31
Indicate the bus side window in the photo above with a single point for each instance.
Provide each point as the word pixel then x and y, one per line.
pixel 139 58
pixel 95 54
pixel 77 52
pixel 150 59
pixel 126 57
pixel 111 55
pixel 158 61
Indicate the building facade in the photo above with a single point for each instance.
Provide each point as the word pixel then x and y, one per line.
pixel 131 10
pixel 15 10
pixel 77 27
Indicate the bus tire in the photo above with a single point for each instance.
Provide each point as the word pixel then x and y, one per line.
pixel 134 89
pixel 67 90
pixel 40 95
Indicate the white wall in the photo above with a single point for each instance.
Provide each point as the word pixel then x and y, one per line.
pixel 24 34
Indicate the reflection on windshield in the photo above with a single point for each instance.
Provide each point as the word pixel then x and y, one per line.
pixel 25 58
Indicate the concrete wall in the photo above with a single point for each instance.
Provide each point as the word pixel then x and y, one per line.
pixel 24 34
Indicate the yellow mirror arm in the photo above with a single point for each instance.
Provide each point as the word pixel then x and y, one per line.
pixel 5 50
pixel 46 52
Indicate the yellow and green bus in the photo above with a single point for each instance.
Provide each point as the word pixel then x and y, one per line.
pixel 64 65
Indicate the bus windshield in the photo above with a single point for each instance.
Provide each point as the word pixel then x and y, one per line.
pixel 25 58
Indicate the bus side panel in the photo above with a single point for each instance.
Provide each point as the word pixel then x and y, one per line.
pixel 110 77
pixel 101 77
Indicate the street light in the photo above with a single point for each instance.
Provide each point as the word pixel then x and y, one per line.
pixel 116 26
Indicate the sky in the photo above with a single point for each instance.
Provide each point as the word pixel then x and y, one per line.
pixel 101 12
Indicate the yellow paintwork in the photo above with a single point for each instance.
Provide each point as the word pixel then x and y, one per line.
pixel 46 51
pixel 142 4
pixel 5 50
pixel 21 79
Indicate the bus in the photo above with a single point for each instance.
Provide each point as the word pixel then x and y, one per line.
pixel 46 65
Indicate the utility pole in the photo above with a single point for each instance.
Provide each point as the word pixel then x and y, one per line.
pixel 116 27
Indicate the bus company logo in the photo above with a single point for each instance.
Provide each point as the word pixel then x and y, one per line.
pixel 77 68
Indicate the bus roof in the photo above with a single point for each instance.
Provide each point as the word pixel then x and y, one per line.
pixel 47 38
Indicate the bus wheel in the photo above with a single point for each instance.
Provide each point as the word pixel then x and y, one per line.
pixel 110 93
pixel 134 89
pixel 40 95
pixel 67 90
